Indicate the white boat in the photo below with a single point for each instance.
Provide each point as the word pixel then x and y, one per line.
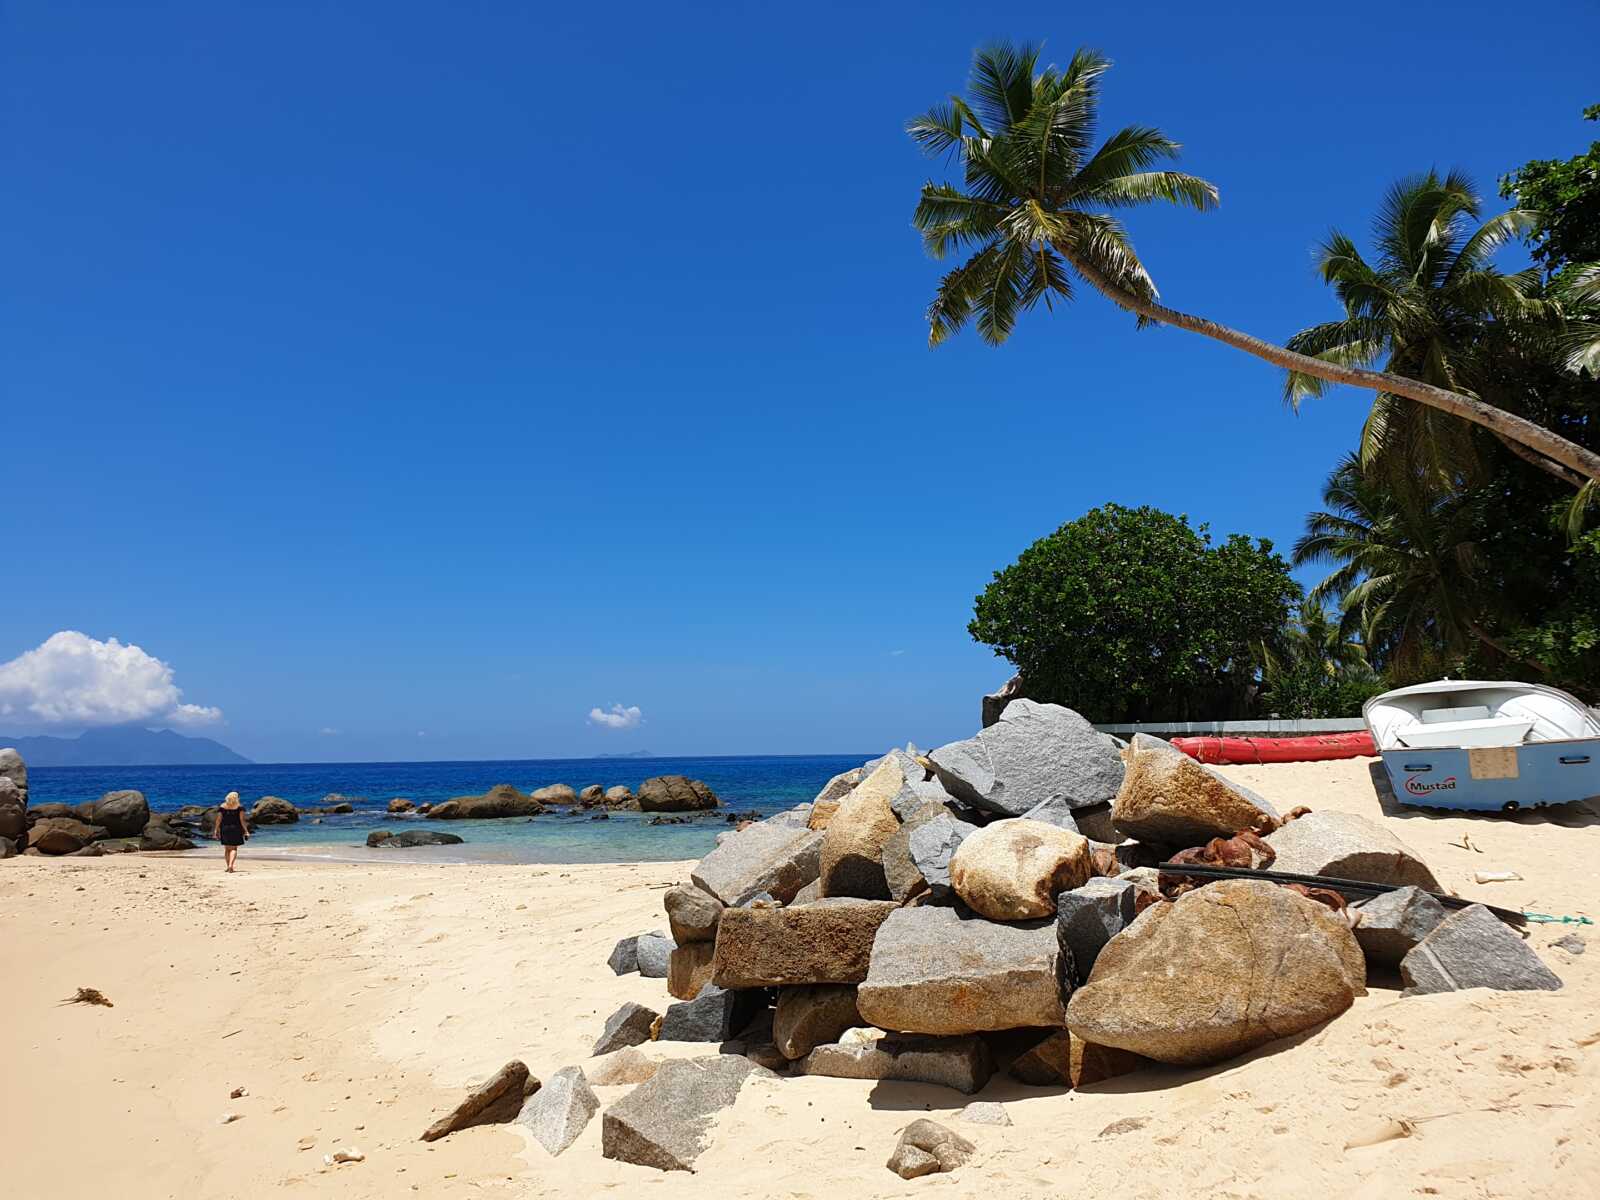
pixel 1470 743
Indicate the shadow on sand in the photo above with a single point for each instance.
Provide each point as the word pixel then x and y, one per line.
pixel 1580 814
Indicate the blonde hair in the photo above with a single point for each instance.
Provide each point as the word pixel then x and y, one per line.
pixel 231 800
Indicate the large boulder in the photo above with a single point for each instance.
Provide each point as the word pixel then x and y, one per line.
pixel 941 971
pixel 826 942
pixel 592 795
pixel 1089 916
pixel 1392 923
pixel 273 810
pixel 621 797
pixel 666 1122
pixel 675 793
pixel 962 1063
pixel 502 800
pixel 1011 870
pixel 400 805
pixel 630 1025
pixel 771 856
pixel 415 837
pixel 124 814
pixel 811 1016
pixel 692 914
pixel 556 1114
pixel 493 1102
pixel 1224 969
pixel 928 1148
pixel 1346 846
pixel 852 845
pixel 13 797
pixel 1169 798
pixel 1032 753
pixel 158 835
pixel 62 835
pixel 1473 948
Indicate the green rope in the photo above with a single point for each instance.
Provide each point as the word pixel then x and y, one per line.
pixel 1547 919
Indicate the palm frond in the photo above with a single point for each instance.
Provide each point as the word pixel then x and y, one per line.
pixel 1001 86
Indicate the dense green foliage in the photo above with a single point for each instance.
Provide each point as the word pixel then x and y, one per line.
pixel 1316 669
pixel 1567 192
pixel 1131 615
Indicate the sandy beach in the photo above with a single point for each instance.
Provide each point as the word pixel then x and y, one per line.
pixel 354 1002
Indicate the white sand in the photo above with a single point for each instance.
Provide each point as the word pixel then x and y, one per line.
pixel 353 1002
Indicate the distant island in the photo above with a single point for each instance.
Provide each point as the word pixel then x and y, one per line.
pixel 122 746
pixel 630 754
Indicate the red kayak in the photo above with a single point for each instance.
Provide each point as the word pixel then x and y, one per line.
pixel 1321 747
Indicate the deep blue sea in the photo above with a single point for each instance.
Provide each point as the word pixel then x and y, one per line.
pixel 765 784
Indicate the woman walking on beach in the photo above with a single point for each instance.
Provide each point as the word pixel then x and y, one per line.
pixel 231 830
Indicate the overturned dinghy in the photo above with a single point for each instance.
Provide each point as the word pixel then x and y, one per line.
pixel 1464 743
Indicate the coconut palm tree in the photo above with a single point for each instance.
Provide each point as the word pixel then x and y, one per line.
pixel 1034 209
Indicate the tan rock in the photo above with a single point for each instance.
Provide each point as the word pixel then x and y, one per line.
pixel 826 942
pixel 1219 972
pixel 1168 798
pixel 1088 1063
pixel 689 969
pixel 619 1067
pixel 1011 870
pixel 822 814
pixel 808 1017
pixel 852 845
pixel 928 1148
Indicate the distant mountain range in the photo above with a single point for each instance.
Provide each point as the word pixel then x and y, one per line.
pixel 629 754
pixel 122 746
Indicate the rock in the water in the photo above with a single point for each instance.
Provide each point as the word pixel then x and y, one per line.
pixel 1169 798
pixel 630 1025
pixel 592 795
pixel 994 703
pixel 675 793
pixel 1011 870
pixel 653 955
pixel 124 814
pixel 928 1148
pixel 492 1103
pixel 400 805
pixel 715 1015
pixel 962 1063
pixel 62 835
pixel 808 1017
pixel 558 1112
pixel 985 1112
pixel 1392 923
pixel 552 795
pixel 621 797
pixel 1224 969
pixel 621 1066
pixel 852 845
pixel 826 942
pixel 769 856
pixel 1033 753
pixel 157 835
pixel 666 1122
pixel 413 837
pixel 273 810
pixel 1088 917
pixel 1472 948
pixel 938 970
pixel 502 800
pixel 692 914
pixel 1346 846
pixel 689 969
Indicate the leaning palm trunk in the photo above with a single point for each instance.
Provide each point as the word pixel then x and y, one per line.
pixel 1580 464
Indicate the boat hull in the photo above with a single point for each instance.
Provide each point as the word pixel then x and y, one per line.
pixel 1496 779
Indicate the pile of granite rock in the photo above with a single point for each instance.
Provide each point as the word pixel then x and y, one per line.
pixel 117 821
pixel 994 906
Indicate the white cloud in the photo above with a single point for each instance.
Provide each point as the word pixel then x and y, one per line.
pixel 617 718
pixel 328 731
pixel 74 680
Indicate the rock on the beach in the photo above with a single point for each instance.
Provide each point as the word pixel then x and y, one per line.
pixel 652 954
pixel 1088 1063
pixel 630 1025
pixel 13 798
pixel 1224 969
pixel 1169 798
pixel 985 1112
pixel 158 835
pixel 940 971
pixel 1473 948
pixel 689 969
pixel 675 793
pixel 624 958
pixel 826 942
pixel 1346 846
pixel 400 805
pixel 962 1063
pixel 1392 923
pixel 770 856
pixel 1088 917
pixel 1011 870
pixel 62 835
pixel 1042 1059
pixel 852 845
pixel 840 786
pixel 124 813
pixel 715 1015
pixel 1033 753
pixel 930 845
pixel 8 847
pixel 928 1148
pixel 494 1102
pixel 558 1112
pixel 692 914
pixel 621 1066
pixel 273 810
pixel 810 1016
pixel 666 1122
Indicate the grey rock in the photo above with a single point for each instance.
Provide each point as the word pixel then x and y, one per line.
pixel 1393 923
pixel 666 1122
pixel 1090 916
pixel 810 894
pixel 8 848
pixel 768 856
pixel 1347 846
pixel 630 1025
pixel 798 817
pixel 963 1064
pixel 1055 811
pixel 653 953
pixel 808 1017
pixel 407 838
pixel 715 1015
pixel 493 1102
pixel 558 1112
pixel 900 868
pixel 940 970
pixel 994 703
pixel 931 845
pixel 124 814
pixel 1096 824
pixel 692 914
pixel 1034 752
pixel 1572 943
pixel 985 1112
pixel 1472 948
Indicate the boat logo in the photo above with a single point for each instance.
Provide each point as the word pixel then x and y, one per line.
pixel 1421 787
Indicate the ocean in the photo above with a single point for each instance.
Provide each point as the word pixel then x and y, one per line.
pixel 763 784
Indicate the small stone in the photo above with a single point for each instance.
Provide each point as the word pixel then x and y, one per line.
pixel 1393 923
pixel 984 1112
pixel 630 1025
pixel 653 951
pixel 1572 944
pixel 1472 948
pixel 558 1112
pixel 624 958
pixel 963 1064
pixel 621 1066
pixel 928 1148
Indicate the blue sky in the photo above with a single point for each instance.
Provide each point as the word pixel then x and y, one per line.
pixel 412 379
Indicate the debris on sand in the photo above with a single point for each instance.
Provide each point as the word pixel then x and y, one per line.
pixel 89 996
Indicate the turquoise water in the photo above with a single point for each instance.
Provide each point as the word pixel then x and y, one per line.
pixel 761 784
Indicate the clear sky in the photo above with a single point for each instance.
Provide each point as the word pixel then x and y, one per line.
pixel 411 379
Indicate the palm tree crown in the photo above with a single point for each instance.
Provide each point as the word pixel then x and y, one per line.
pixel 1032 186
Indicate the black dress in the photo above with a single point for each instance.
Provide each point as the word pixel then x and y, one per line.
pixel 232 832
